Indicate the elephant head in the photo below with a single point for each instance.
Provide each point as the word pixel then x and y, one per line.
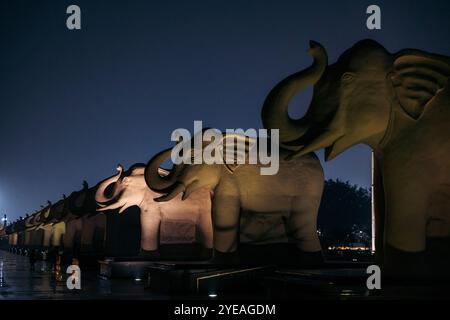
pixel 33 221
pixel 40 217
pixel 354 98
pixel 46 211
pixel 123 190
pixel 82 202
pixel 60 210
pixel 187 178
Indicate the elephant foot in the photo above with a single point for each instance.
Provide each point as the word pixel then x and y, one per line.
pixel 150 254
pixel 430 265
pixel 402 266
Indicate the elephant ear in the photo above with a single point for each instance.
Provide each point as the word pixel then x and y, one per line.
pixel 237 147
pixel 417 78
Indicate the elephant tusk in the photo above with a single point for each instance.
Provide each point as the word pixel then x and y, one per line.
pixel 111 207
pixel 124 207
pixel 190 188
pixel 323 141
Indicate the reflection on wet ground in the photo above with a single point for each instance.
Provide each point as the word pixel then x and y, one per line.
pixel 17 281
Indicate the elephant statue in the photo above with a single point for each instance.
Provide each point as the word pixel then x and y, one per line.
pixel 36 232
pixel 399 105
pixel 46 227
pixel 174 222
pixel 61 214
pixel 29 229
pixel 53 225
pixel 249 209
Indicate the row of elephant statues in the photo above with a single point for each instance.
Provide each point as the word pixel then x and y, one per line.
pixel 397 103
pixel 221 211
pixel 70 224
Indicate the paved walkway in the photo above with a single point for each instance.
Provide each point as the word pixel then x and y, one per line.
pixel 17 281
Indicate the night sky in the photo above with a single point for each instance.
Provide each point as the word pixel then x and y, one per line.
pixel 73 104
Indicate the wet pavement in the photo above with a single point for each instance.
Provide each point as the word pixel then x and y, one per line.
pixel 18 282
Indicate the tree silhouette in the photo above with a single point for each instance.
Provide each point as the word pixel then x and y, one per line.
pixel 344 214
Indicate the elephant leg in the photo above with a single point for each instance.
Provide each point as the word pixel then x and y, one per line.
pixel 57 235
pixel 69 237
pixel 87 234
pixel 149 230
pixel 205 227
pixel 226 210
pixel 405 224
pixel 302 224
pixel 47 236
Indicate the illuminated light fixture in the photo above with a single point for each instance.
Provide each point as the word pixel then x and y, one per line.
pixel 212 295
pixel 137 279
pixel 372 202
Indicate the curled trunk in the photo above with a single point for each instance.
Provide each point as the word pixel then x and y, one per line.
pixel 161 183
pixel 100 196
pixel 275 113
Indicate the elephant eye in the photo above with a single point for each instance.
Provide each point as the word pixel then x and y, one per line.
pixel 347 77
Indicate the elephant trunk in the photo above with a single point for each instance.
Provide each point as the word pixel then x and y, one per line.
pixel 100 196
pixel 154 179
pixel 275 113
pixel 176 190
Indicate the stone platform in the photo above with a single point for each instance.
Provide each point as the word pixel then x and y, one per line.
pixel 204 279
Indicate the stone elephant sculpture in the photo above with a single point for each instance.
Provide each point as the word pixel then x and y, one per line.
pixel 90 224
pixel 71 238
pixel 29 229
pixel 13 239
pixel 174 222
pixel 250 208
pixel 399 105
pixel 54 228
pixel 35 231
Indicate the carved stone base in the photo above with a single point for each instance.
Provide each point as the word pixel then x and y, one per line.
pixel 131 267
pixel 136 266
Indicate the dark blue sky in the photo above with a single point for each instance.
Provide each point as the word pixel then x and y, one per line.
pixel 75 103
